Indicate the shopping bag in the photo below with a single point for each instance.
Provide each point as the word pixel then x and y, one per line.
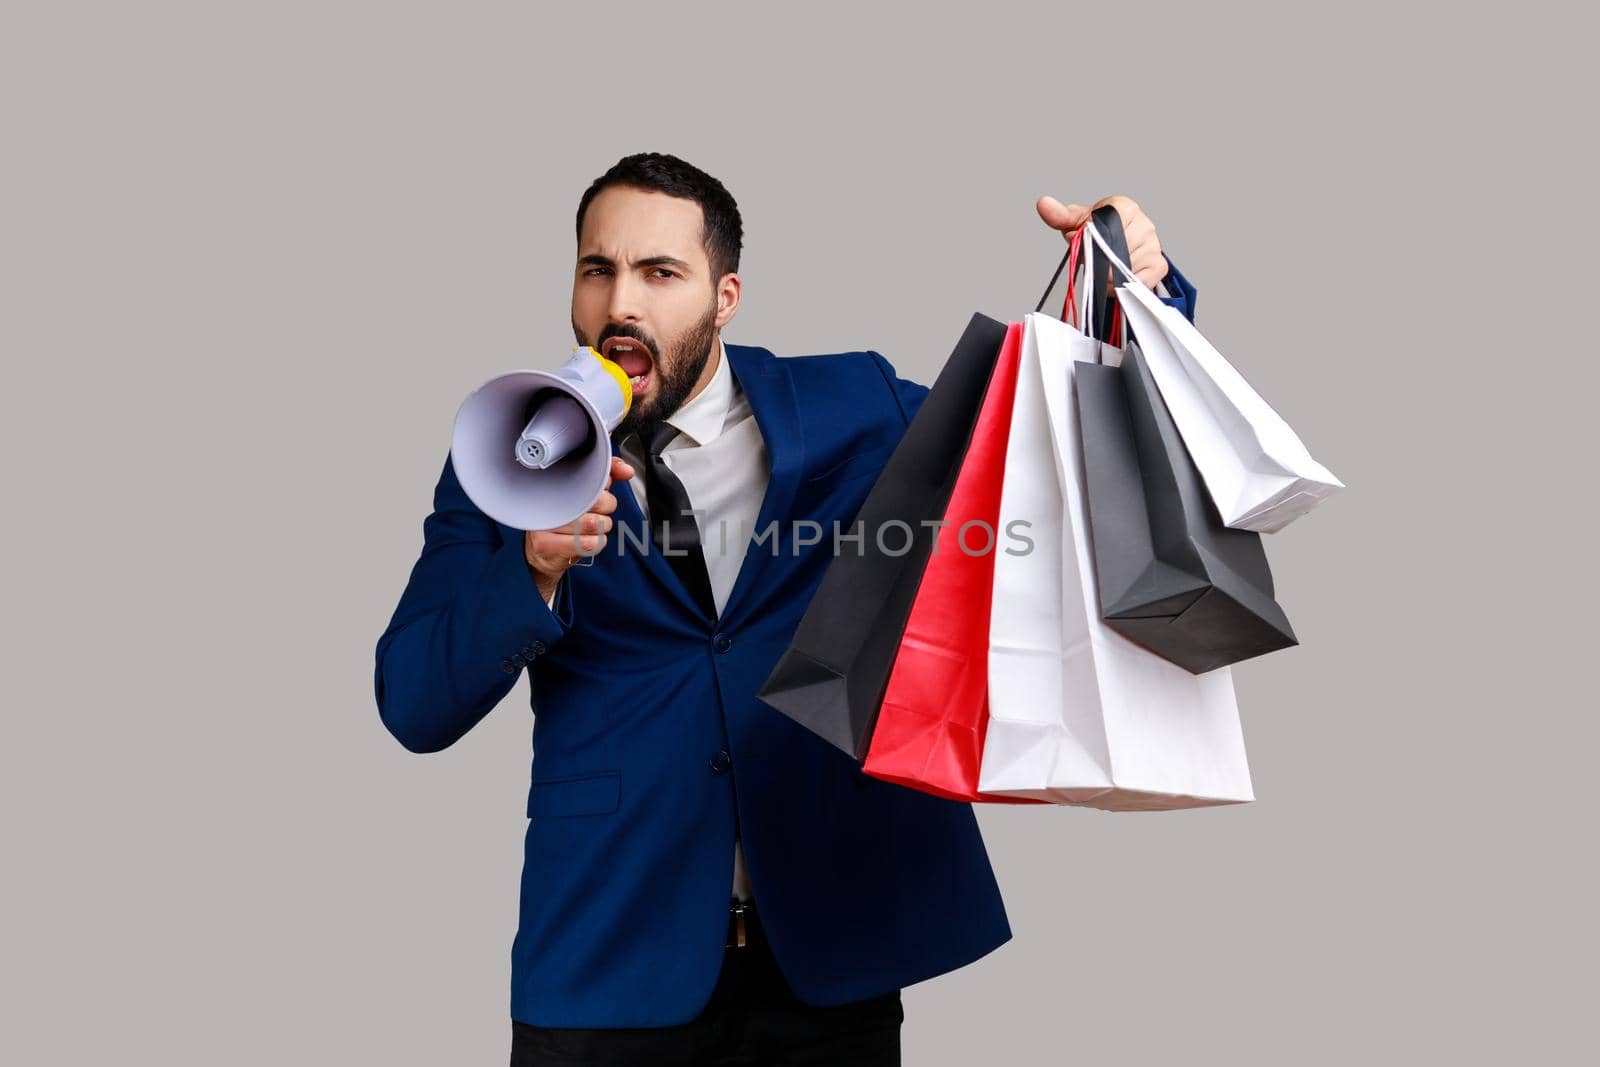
pixel 1256 469
pixel 831 678
pixel 1079 714
pixel 929 733
pixel 1170 576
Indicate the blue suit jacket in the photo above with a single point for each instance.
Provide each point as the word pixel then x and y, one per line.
pixel 651 750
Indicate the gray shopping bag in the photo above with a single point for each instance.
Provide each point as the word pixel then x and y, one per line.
pixel 1171 577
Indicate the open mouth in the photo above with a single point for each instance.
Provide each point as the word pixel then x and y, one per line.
pixel 633 357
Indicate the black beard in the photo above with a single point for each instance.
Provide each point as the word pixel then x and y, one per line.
pixel 675 376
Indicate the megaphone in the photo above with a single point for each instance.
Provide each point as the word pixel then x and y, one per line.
pixel 532 449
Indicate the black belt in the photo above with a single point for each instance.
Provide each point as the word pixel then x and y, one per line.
pixel 742 922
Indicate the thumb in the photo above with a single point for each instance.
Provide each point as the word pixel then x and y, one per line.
pixel 1061 216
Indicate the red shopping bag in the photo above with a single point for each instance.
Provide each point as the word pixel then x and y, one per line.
pixel 930 728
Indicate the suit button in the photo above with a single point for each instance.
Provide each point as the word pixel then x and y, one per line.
pixel 721 762
pixel 520 660
pixel 538 648
pixel 722 642
pixel 507 666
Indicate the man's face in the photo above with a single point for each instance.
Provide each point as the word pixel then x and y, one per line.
pixel 642 293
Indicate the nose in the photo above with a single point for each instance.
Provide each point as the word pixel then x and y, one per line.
pixel 623 306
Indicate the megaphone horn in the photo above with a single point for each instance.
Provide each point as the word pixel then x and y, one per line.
pixel 532 449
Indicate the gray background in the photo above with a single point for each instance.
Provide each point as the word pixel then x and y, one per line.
pixel 255 255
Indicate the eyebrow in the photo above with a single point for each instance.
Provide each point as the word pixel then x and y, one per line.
pixel 593 260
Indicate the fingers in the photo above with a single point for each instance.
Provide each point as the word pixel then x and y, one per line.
pixel 1145 258
pixel 593 522
pixel 1121 203
pixel 1059 216
pixel 1138 231
pixel 1136 225
pixel 590 522
pixel 621 470
pixel 1144 249
pixel 553 550
pixel 1150 268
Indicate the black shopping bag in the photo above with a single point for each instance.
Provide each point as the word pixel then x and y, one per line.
pixel 1171 576
pixel 832 678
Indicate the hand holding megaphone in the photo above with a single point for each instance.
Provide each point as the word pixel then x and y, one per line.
pixel 532 449
pixel 551 552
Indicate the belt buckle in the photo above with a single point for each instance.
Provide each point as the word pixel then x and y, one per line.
pixel 738 924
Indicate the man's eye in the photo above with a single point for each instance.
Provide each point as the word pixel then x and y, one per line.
pixel 593 270
pixel 663 270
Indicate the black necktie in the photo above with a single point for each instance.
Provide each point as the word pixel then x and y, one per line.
pixel 670 517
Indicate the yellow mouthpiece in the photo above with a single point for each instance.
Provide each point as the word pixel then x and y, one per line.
pixel 617 373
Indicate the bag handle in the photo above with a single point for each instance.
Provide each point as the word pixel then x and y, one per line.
pixel 1069 262
pixel 1106 224
pixel 1105 311
pixel 1069 304
pixel 1119 257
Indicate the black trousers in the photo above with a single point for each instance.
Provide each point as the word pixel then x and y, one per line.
pixel 753 1018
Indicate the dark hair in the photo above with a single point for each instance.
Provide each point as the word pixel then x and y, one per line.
pixel 722 232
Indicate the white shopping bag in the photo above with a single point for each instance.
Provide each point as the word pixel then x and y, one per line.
pixel 1078 714
pixel 1258 472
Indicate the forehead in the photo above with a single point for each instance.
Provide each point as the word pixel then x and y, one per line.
pixel 627 223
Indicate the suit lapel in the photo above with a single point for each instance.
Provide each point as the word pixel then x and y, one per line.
pixel 769 388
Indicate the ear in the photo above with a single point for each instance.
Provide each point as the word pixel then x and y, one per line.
pixel 727 298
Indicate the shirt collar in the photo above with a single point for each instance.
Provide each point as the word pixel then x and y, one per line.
pixel 701 418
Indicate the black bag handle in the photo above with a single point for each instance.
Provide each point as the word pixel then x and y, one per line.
pixel 1109 224
pixel 1053 279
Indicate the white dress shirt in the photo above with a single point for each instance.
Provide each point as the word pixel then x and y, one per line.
pixel 721 459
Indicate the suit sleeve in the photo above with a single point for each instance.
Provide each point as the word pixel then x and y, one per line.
pixel 1181 289
pixel 469 620
pixel 907 394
